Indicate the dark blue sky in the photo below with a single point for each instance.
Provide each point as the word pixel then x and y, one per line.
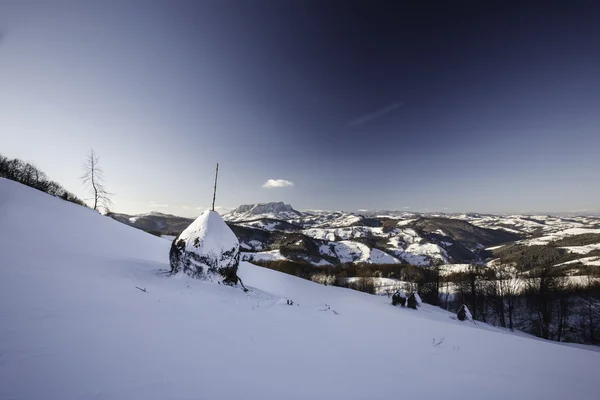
pixel 427 106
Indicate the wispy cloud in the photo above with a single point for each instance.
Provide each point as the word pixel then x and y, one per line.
pixel 153 204
pixel 223 209
pixel 369 117
pixel 277 183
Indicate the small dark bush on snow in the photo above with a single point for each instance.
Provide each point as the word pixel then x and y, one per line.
pixel 399 298
pixel 464 314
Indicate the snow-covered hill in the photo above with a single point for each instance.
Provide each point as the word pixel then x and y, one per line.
pixel 530 224
pixel 73 325
pixel 154 222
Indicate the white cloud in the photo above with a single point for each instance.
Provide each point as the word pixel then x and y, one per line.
pixel 368 117
pixel 153 204
pixel 277 183
pixel 221 209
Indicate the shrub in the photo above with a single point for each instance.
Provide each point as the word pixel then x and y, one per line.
pixel 399 298
pixel 412 301
pixel 464 314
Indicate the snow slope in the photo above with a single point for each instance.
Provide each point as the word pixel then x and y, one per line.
pixel 348 251
pixel 74 326
pixel 543 240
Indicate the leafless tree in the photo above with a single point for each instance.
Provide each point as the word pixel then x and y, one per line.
pixel 505 287
pixel 93 179
pixel 547 287
pixel 593 310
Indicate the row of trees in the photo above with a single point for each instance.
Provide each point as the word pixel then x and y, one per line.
pixel 544 301
pixel 30 175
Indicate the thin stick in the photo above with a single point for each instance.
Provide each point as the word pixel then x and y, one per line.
pixel 215 189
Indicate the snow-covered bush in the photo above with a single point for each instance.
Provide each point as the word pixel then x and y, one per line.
pixel 464 314
pixel 399 298
pixel 413 301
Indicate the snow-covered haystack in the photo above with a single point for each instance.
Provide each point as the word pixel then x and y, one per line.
pixel 207 249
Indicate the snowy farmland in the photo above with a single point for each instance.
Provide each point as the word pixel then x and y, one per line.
pixel 74 325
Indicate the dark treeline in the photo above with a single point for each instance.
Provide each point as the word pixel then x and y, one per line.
pixel 577 240
pixel 28 174
pixel 306 270
pixel 540 299
pixel 544 301
pixel 336 275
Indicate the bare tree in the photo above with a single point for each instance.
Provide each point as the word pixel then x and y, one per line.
pixel 592 299
pixel 504 289
pixel 545 287
pixel 93 179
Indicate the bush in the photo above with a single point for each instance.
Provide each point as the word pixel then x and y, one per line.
pixel 413 301
pixel 464 314
pixel 399 298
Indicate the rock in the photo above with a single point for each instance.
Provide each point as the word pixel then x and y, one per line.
pixel 207 249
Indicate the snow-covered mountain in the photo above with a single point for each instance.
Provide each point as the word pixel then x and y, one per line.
pixel 248 212
pixel 74 325
pixel 530 225
pixel 276 231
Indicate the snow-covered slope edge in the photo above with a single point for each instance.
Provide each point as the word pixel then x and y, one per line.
pixel 73 326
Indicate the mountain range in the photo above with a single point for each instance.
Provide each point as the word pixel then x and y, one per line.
pixel 276 231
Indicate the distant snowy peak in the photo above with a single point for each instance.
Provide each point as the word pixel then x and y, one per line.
pixel 275 210
pixel 264 208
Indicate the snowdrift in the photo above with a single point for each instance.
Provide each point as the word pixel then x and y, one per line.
pixel 73 325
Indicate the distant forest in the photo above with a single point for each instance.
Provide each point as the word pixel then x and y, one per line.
pixel 28 174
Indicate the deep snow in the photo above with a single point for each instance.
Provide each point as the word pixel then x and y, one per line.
pixel 74 326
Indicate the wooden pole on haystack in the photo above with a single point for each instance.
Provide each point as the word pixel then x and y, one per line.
pixel 215 189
